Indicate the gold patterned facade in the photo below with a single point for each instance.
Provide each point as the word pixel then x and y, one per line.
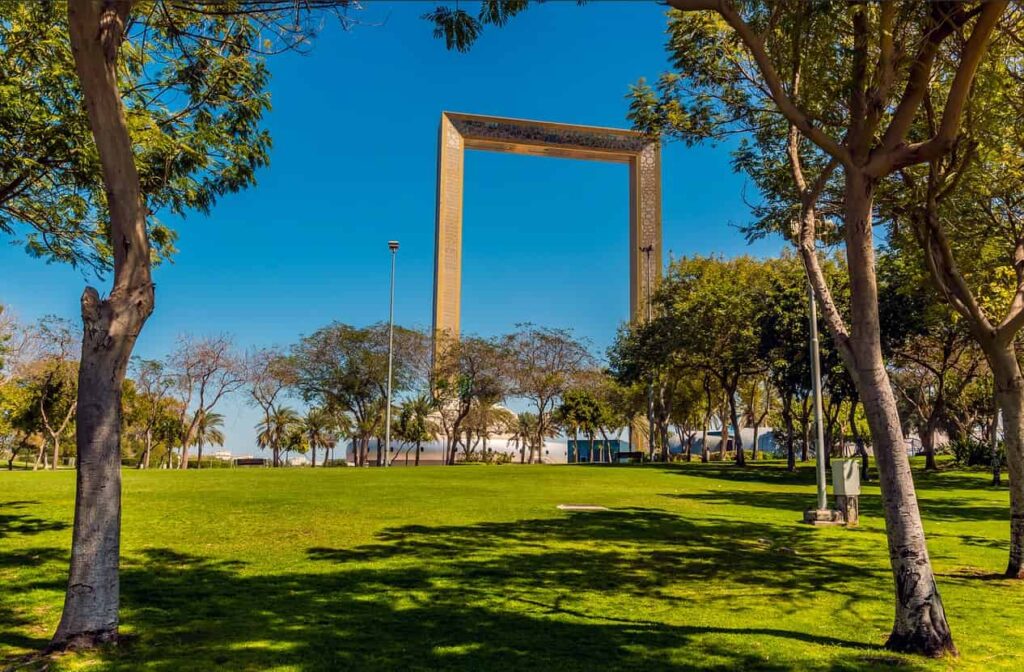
pixel 459 132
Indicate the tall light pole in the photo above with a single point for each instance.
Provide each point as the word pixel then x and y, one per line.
pixel 816 385
pixel 647 250
pixel 393 246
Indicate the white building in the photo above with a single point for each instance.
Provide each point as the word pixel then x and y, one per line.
pixel 432 452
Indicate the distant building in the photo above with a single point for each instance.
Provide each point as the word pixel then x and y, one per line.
pixel 580 450
pixel 432 452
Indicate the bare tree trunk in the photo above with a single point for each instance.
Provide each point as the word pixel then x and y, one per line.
pixel 199 455
pixel 734 417
pixel 862 451
pixel 920 621
pixel 111 326
pixel 56 451
pixel 928 445
pixel 805 425
pixel 143 462
pixel 39 456
pixel 1009 384
pixel 723 447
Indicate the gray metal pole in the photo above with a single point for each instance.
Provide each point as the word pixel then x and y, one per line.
pixel 393 246
pixel 650 385
pixel 816 384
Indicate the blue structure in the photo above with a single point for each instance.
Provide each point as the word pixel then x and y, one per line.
pixel 581 450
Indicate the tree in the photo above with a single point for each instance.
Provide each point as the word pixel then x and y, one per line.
pixel 931 352
pixel 686 414
pixel 321 427
pixel 275 431
pixel 268 374
pixel 839 89
pixel 205 371
pixel 543 363
pixel 581 412
pixel 414 425
pixel 961 213
pixel 785 336
pixel 708 319
pixel 486 416
pixel 50 381
pixel 344 368
pixel 207 432
pixel 153 385
pixel 175 123
pixel 466 371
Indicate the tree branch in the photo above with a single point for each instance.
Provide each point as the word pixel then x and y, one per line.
pixel 755 46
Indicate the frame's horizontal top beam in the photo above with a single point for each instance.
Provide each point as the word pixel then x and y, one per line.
pixel 542 138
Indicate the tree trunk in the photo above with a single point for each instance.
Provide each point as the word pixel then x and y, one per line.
pixel 920 622
pixel 199 456
pixel 787 421
pixel 805 425
pixel 416 462
pixel 39 456
pixel 862 451
pixel 144 460
pixel 723 447
pixel 928 446
pixel 111 326
pixel 734 416
pixel 313 448
pixel 56 451
pixel 1009 384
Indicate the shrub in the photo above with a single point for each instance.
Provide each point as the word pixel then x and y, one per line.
pixel 970 452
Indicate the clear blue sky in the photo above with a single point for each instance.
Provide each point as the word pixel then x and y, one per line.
pixel 354 124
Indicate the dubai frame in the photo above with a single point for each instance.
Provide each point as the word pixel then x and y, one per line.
pixel 460 132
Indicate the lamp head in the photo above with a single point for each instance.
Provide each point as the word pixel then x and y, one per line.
pixel 392 245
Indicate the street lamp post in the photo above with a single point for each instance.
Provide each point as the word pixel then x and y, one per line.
pixel 393 246
pixel 816 385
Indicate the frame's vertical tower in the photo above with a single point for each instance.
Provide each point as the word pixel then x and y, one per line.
pixel 448 232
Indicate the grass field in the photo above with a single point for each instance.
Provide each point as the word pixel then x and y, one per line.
pixel 473 568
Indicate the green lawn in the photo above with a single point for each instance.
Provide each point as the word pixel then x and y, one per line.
pixel 473 568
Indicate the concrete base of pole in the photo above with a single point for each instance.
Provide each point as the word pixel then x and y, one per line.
pixel 824 517
pixel 849 507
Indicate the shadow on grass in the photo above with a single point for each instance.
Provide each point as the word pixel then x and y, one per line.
pixel 943 507
pixel 17 522
pixel 538 594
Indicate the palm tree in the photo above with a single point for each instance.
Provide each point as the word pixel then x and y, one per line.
pixel 486 418
pixel 321 427
pixel 208 432
pixel 414 424
pixel 275 429
pixel 522 433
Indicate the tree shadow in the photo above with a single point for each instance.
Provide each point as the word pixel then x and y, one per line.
pixel 15 524
pixel 957 478
pixel 13 621
pixel 537 594
pixel 763 473
pixel 943 508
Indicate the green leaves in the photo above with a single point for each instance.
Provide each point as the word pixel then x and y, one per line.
pixel 195 92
